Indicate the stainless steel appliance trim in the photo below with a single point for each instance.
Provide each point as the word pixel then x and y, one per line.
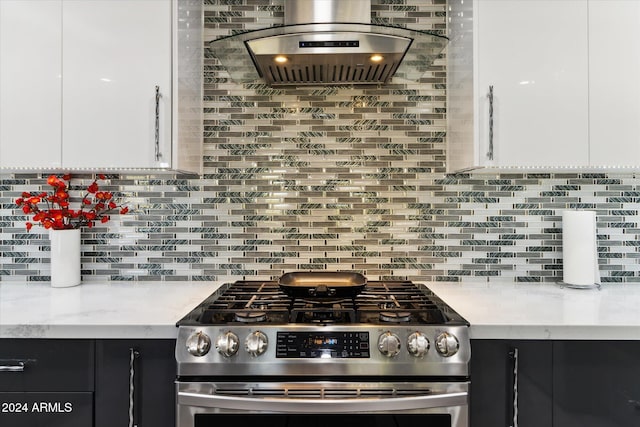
pixel 322 397
pixel 242 364
pixel 302 406
pixel 423 49
pixel 318 11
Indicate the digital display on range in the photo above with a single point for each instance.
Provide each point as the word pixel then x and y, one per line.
pixel 329 345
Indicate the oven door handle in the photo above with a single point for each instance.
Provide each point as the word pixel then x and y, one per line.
pixel 309 406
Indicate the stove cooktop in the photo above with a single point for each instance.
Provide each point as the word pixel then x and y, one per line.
pixel 380 302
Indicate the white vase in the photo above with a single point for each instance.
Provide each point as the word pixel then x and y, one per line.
pixel 65 258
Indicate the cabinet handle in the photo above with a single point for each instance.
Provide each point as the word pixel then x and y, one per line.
pixel 157 136
pixel 133 355
pixel 512 404
pixel 490 96
pixel 17 367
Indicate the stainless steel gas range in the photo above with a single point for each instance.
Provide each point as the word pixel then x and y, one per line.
pixel 301 349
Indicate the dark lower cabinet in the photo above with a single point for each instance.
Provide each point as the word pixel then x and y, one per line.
pixel 560 383
pixel 46 383
pixel 493 400
pixel 596 383
pixel 109 383
pixel 134 382
pixel 84 383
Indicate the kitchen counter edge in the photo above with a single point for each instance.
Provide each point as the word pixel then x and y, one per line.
pixel 151 310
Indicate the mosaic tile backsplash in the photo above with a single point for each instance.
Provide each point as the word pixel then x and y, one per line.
pixel 332 179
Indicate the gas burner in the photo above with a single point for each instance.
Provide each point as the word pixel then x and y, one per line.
pixel 395 316
pixel 387 305
pixel 251 316
pixel 323 313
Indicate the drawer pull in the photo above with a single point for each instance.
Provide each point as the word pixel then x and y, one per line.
pixel 133 355
pixel 513 404
pixel 17 367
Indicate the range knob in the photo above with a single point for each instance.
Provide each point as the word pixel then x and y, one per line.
pixel 227 344
pixel 389 344
pixel 256 343
pixel 447 344
pixel 198 344
pixel 417 344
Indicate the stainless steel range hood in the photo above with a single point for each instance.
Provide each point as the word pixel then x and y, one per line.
pixel 327 42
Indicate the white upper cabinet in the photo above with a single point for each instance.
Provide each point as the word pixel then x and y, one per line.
pixel 614 82
pixel 30 89
pixel 114 54
pixel 122 100
pixel 533 55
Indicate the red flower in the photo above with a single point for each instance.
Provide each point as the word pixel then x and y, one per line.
pixel 57 215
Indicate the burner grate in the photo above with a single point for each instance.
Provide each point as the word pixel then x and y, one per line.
pixel 262 302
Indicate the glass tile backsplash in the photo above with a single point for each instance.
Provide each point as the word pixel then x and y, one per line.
pixel 333 178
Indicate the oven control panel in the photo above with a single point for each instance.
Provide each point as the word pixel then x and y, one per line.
pixel 329 345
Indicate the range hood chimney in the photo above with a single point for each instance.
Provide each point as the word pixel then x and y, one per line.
pixel 327 42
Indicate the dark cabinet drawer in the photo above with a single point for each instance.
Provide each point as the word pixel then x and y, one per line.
pixel 42 365
pixel 46 409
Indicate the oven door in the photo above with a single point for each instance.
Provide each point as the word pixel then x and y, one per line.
pixel 334 404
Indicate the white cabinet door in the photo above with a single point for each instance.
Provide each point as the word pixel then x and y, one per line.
pixel 614 82
pixel 30 85
pixel 115 53
pixel 534 54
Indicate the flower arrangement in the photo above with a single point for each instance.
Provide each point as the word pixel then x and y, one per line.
pixel 95 206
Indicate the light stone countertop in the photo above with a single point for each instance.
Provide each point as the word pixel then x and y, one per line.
pixel 116 310
pixel 545 311
pixel 150 310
